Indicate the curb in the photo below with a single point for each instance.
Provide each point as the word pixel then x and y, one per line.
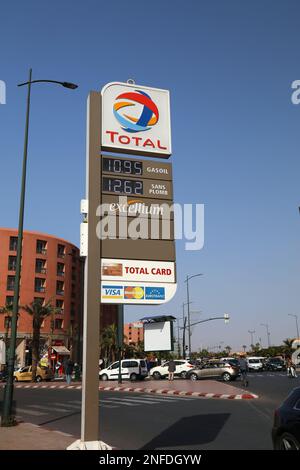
pixel 222 396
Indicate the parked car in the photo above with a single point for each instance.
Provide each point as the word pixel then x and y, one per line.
pixel 286 427
pixel 255 363
pixel 132 369
pixel 231 360
pixel 222 370
pixel 161 372
pixel 274 364
pixel 24 374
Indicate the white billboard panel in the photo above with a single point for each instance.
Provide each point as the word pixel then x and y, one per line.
pixel 136 119
pixel 158 336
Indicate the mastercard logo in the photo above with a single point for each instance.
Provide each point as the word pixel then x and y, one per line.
pixel 134 293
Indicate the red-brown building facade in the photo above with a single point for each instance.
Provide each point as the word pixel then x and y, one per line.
pixel 52 270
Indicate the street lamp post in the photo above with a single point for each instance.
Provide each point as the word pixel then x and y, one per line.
pixel 296 318
pixel 268 333
pixel 251 333
pixel 188 278
pixel 7 417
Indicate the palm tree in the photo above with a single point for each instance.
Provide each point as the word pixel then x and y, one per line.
pixel 287 346
pixel 244 347
pixel 39 312
pixel 228 350
pixel 8 310
pixel 109 342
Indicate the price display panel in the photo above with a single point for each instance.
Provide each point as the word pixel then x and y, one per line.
pixel 119 166
pixel 151 189
pixel 122 166
pixel 122 186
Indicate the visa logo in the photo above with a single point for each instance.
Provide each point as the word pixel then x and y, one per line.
pixel 112 292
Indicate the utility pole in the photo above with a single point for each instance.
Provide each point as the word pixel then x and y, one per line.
pixel 188 278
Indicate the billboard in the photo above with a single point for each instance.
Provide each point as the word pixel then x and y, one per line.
pixel 136 120
pixel 158 336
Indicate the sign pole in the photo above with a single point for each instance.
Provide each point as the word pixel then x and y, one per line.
pixel 92 281
pixel 120 337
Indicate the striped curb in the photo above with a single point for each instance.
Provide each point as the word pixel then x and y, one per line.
pixel 222 396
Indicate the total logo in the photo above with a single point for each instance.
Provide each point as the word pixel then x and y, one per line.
pixel 136 119
pixel 148 112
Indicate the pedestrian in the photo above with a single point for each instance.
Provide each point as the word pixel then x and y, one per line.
pixel 291 368
pixel 171 369
pixel 69 371
pixel 243 370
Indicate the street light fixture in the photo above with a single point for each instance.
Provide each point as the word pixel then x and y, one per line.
pixel 296 318
pixel 188 278
pixel 7 418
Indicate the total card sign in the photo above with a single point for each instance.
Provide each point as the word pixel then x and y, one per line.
pixel 136 293
pixel 134 270
pixel 136 119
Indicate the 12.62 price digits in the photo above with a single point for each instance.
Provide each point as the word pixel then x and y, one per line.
pixel 125 186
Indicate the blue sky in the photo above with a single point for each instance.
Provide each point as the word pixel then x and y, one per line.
pixel 229 68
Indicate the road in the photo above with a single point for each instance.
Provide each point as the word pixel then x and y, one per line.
pixel 151 421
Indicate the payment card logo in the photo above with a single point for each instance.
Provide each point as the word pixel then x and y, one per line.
pixel 144 113
pixel 136 293
pixel 155 293
pixel 112 292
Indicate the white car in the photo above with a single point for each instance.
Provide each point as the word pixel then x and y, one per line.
pixel 182 368
pixel 255 363
pixel 132 369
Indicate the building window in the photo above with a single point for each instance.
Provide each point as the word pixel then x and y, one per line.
pixel 41 247
pixel 39 299
pixel 13 242
pixel 60 305
pixel 61 251
pixel 12 263
pixel 40 266
pixel 10 283
pixel 60 269
pixel 9 300
pixel 58 324
pixel 39 284
pixel 60 285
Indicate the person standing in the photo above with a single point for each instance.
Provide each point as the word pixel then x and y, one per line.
pixel 171 369
pixel 243 370
pixel 69 371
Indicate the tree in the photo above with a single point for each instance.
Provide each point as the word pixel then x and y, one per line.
pixel 244 347
pixel 228 350
pixel 109 342
pixel 7 310
pixel 39 312
pixel 287 346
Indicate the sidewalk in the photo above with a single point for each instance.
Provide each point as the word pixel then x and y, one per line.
pixel 26 436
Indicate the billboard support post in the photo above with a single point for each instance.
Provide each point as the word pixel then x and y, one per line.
pixel 120 337
pixel 92 280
